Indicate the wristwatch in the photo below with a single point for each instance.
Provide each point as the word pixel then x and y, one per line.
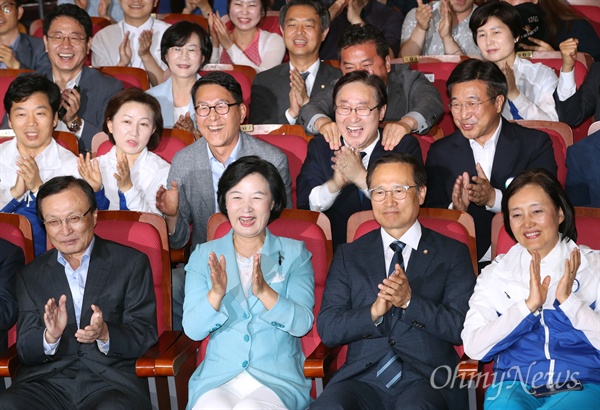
pixel 75 125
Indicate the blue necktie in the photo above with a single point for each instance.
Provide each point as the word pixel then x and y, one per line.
pixel 304 75
pixel 389 369
pixel 514 111
pixel 360 192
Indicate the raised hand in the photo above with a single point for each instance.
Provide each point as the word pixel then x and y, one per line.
pixel 565 285
pixel 29 172
pixel 260 288
pixel 539 45
pixel 96 330
pixel 336 8
pixel 355 7
pixel 167 200
pixel 218 279
pixel 329 130
pixel 481 192
pixel 445 26
pixel 460 196
pixel 145 41
pixel 19 188
pixel 90 171
pixel 396 289
pixel 393 132
pixel 538 289
pixel 349 163
pixel 568 51
pixel 423 15
pixel 221 32
pixel 125 52
pixel 513 91
pixel 70 99
pixel 185 122
pixel 123 174
pixel 7 56
pixel 298 94
pixel 55 318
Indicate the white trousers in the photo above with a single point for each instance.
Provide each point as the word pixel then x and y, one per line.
pixel 243 392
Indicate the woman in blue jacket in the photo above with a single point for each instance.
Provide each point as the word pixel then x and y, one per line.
pixel 253 294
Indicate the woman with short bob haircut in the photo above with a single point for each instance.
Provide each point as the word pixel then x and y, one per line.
pixel 536 309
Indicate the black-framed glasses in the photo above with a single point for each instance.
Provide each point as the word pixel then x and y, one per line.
pixel 470 106
pixel 399 192
pixel 362 111
pixel 69 220
pixel 222 108
pixel 58 39
pixel 7 8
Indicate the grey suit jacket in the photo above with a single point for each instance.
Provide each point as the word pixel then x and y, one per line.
pixel 119 281
pixel 191 169
pixel 31 53
pixel 409 92
pixel 271 89
pixel 441 279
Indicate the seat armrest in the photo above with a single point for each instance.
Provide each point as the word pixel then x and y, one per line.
pixel 169 362
pixel 145 366
pixel 468 369
pixel 9 362
pixel 321 362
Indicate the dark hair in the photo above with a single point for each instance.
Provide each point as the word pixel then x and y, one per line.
pixel 19 3
pixel 357 34
pixel 264 5
pixel 26 85
pixel 548 182
pixel 418 170
pixel 57 185
pixel 179 33
pixel 486 71
pixel 224 80
pixel 135 95
pixel 363 77
pixel 70 10
pixel 556 12
pixel 316 5
pixel 503 11
pixel 253 165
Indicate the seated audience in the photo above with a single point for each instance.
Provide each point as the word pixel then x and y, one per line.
pixel 129 175
pixel 19 50
pixel 574 105
pixel 334 182
pixel 547 23
pixel 85 91
pixel 438 28
pixel 261 309
pixel 246 44
pixel 535 310
pixel 185 47
pixel 397 296
pixel 496 27
pixel 133 41
pixel 470 169
pixel 279 93
pixel 414 105
pixel 347 13
pixel 110 10
pixel 191 197
pixel 87 312
pixel 32 157
pixel 583 172
pixel 11 262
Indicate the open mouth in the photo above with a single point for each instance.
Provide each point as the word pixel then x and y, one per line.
pixel 247 220
pixel 215 128
pixel 532 235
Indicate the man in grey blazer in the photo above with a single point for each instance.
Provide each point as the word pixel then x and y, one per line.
pixel 191 197
pixel 87 312
pixel 279 93
pixel 397 296
pixel 414 104
pixel 19 50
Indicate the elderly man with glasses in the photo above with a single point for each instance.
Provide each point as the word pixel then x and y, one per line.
pixel 334 182
pixel 469 169
pixel 191 197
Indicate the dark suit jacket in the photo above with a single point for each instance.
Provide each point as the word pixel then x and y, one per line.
pixel 583 174
pixel 517 149
pixel 408 91
pixel 119 281
pixel 11 261
pixel 423 335
pixel 316 170
pixel 31 53
pixel 271 89
pixel 96 90
pixel 585 102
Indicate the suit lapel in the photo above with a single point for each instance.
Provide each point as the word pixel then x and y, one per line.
pixel 269 263
pixel 58 285
pixel 83 82
pixel 97 277
pixel 234 285
pixel 205 182
pixel 507 149
pixel 464 155
pixel 320 80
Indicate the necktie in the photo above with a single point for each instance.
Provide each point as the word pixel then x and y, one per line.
pixel 304 75
pixel 397 247
pixel 514 111
pixel 360 192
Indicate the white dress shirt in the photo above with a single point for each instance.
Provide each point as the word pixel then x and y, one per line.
pixel 566 85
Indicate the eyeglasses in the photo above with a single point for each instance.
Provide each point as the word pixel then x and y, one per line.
pixel 69 220
pixel 399 192
pixel 470 106
pixel 362 111
pixel 7 8
pixel 191 50
pixel 221 108
pixel 59 38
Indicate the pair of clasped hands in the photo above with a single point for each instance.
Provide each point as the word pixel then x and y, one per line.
pixel 55 319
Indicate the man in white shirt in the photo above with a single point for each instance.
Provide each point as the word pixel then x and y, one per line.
pixel 133 42
pixel 280 92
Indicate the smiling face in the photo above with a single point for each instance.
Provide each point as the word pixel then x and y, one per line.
pixel 496 42
pixel 461 6
pixel 185 61
pixel 131 127
pixel 358 132
pixel 534 219
pixel 396 216
pixel 66 56
pixel 137 12
pixel 302 32
pixel 245 14
pixel 480 122
pixel 9 22
pixel 220 131
pixel 32 121
pixel 249 204
pixel 364 57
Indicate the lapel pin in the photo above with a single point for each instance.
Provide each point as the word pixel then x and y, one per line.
pixel 425 252
pixel 322 85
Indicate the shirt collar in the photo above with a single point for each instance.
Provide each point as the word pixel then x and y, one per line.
pixel 232 157
pixel 492 141
pixel 148 24
pixel 74 81
pixel 411 237
pixel 313 69
pixel 86 255
pixel 369 149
